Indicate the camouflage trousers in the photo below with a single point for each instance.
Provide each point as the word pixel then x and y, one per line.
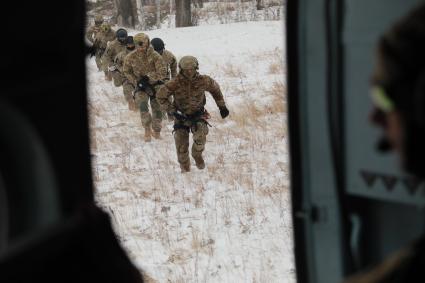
pixel 181 139
pixel 148 120
pixel 98 59
pixel 128 89
pixel 117 77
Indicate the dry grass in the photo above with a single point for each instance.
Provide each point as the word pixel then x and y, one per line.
pixel 185 216
pixel 233 71
pixel 276 68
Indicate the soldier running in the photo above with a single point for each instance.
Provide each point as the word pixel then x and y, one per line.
pixel 145 69
pixel 112 50
pixel 128 88
pixel 188 90
pixel 170 61
pixel 102 38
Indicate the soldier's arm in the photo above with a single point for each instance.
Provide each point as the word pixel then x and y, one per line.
pixel 163 94
pixel 213 88
pixel 128 71
pixel 173 66
pixel 160 73
pixel 89 34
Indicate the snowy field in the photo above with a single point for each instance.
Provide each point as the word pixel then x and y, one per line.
pixel 231 221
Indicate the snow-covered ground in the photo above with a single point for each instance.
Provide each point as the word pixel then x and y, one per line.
pixel 231 221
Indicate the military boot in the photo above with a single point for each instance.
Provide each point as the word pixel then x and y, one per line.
pixel 185 167
pixel 200 163
pixel 148 134
pixel 156 135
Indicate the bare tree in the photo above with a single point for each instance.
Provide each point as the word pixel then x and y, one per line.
pixel 171 12
pixel 140 14
pixel 183 13
pixel 125 13
pixel 198 3
pixel 158 13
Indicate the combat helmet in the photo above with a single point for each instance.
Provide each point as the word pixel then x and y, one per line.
pixel 105 27
pixel 188 62
pixel 141 39
pixel 121 35
pixel 157 44
pixel 98 20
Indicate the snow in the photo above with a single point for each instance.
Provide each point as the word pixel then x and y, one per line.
pixel 231 221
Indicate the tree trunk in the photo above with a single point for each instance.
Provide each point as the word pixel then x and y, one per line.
pixel 240 10
pixel 158 13
pixel 140 14
pixel 183 13
pixel 125 17
pixel 171 12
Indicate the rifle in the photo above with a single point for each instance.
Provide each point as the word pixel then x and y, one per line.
pixel 144 85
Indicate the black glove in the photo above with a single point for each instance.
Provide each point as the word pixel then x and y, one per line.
pixel 224 112
pixel 91 50
pixel 143 82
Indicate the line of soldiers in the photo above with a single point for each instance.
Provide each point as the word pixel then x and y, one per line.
pixel 148 75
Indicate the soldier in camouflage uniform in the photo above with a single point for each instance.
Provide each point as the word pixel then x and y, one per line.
pixel 145 69
pixel 114 47
pixel 101 40
pixel 170 61
pixel 188 90
pixel 128 88
pixel 91 31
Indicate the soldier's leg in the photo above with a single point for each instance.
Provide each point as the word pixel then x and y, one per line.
pixel 98 60
pixel 118 78
pixel 128 94
pixel 142 100
pixel 181 138
pixel 170 117
pixel 156 117
pixel 200 132
pixel 108 75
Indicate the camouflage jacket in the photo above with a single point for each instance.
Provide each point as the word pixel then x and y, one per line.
pixel 171 63
pixel 114 47
pixel 189 94
pixel 119 59
pixel 150 63
pixel 101 38
pixel 91 33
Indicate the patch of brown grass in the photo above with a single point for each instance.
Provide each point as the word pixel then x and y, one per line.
pixel 232 71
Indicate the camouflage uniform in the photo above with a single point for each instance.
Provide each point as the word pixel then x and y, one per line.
pixel 170 62
pixel 146 63
pixel 128 87
pixel 189 99
pixel 101 41
pixel 112 50
pixel 91 31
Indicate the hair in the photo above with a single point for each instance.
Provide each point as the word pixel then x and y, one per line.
pixel 400 71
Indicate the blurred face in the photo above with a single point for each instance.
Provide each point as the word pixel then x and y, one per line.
pixel 130 46
pixel 142 46
pixel 189 73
